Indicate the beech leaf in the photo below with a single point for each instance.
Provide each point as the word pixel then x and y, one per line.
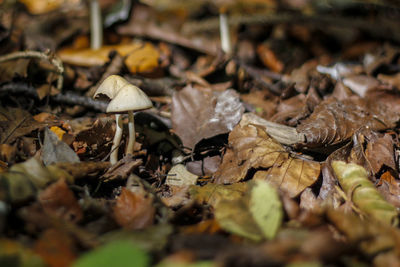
pixel 202 114
pixel 266 208
pixel 334 121
pixel 250 147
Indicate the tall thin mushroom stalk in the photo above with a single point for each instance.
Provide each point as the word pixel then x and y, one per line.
pixel 96 25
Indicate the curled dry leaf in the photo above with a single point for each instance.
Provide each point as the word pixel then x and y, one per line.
pixel 333 121
pixel 198 114
pixel 250 147
pixel 134 210
pixel 354 180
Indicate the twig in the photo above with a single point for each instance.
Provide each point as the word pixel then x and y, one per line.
pixel 66 98
pixel 380 28
pixel 257 75
pixel 48 56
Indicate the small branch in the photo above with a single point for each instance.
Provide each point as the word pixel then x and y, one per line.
pixel 381 27
pixel 48 56
pixel 69 98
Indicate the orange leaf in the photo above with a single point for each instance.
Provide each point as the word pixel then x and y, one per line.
pixel 57 200
pixel 37 7
pixel 134 210
pixel 58 131
pixel 56 248
pixel 141 57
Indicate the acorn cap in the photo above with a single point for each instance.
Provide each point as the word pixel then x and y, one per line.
pixel 110 86
pixel 129 97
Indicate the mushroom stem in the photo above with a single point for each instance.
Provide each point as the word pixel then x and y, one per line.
pixel 224 33
pixel 117 139
pixel 132 136
pixel 96 26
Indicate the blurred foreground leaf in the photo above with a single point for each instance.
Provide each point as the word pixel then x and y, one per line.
pixel 117 254
pixel 257 215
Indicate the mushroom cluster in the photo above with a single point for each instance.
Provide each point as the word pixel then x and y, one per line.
pixel 125 98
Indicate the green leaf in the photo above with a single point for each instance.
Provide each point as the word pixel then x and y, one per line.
pixel 116 254
pixel 266 208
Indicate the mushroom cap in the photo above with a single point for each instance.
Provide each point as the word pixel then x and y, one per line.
pixel 110 86
pixel 129 97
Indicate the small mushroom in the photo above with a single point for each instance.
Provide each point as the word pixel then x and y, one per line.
pixel 125 97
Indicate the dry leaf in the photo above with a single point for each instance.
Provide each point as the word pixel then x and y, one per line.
pixel 15 122
pixel 269 59
pixel 37 7
pixel 250 147
pixel 134 210
pixel 57 200
pixel 141 57
pixel 333 121
pixel 198 114
pixel 56 248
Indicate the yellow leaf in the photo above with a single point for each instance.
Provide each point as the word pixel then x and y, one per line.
pixel 141 57
pixel 37 7
pixel 58 131
pixel 144 59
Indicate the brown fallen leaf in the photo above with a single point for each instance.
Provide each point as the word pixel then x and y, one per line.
pixel 379 152
pixel 56 248
pixel 57 200
pixel 250 147
pixel 15 122
pixel 269 59
pixel 134 210
pixel 333 121
pixel 198 114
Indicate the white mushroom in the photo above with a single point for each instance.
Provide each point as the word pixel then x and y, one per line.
pixel 125 97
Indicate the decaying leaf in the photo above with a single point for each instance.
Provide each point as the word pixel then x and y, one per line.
pixel 235 217
pixel 54 150
pixel 382 146
pixel 333 121
pixel 354 181
pixel 57 200
pixel 250 147
pixel 198 114
pixel 134 210
pixel 372 237
pixel 266 208
pixel 179 176
pixel 15 122
pixel 56 248
pixel 256 215
pixel 211 194
pixel 14 254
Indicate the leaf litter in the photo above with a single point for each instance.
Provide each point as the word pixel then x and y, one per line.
pixel 283 151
